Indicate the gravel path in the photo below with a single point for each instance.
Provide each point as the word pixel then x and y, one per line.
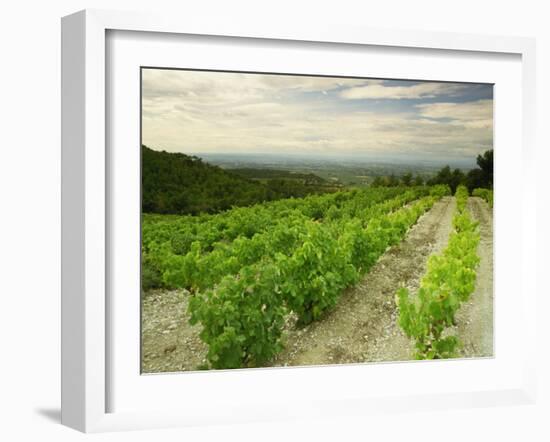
pixel 362 327
pixel 168 342
pixel 475 317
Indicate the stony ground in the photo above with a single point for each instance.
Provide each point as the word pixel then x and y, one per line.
pixel 362 327
pixel 168 342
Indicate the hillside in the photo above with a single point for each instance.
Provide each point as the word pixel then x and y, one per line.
pixel 182 184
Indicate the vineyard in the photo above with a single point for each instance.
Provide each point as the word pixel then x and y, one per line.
pixel 449 281
pixel 267 284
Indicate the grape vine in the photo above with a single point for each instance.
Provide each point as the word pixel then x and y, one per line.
pixel 448 282
pixel 486 194
pixel 242 316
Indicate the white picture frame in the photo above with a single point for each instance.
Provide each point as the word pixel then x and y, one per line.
pixel 86 204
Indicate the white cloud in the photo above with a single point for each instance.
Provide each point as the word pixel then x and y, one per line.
pixel 468 111
pixel 227 85
pixel 383 91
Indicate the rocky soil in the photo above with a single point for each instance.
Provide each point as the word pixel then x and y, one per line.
pixel 168 342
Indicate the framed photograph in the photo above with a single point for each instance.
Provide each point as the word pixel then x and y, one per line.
pixel 281 223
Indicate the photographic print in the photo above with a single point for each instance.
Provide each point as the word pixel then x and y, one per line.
pixel 295 220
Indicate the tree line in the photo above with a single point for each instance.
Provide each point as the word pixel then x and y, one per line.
pixel 480 177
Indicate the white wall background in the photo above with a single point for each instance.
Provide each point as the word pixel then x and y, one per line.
pixel 30 214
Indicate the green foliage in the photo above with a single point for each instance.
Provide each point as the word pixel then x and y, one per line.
pixel 199 271
pixel 451 178
pixel 482 177
pixel 448 282
pixel 151 274
pixel 485 163
pixel 334 257
pixel 243 318
pixel 486 194
pixel 378 182
pixel 241 315
pixel 268 174
pixel 461 198
pixel 243 284
pixel 315 274
pixel 418 181
pixel 182 184
pixel 475 179
pixel 227 241
pixel 406 180
pixel 440 190
pixel 478 177
pixel 392 181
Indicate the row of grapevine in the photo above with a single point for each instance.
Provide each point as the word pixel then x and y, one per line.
pixel 199 270
pixel 448 282
pixel 486 194
pixel 206 262
pixel 182 231
pixel 242 316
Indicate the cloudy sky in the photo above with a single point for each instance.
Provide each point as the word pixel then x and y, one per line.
pixel 207 112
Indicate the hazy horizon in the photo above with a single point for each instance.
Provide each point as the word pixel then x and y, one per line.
pixel 220 113
pixel 258 157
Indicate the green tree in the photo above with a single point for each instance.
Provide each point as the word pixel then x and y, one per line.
pixel 457 178
pixel 442 177
pixel 407 179
pixel 485 163
pixel 392 181
pixel 452 178
pixel 475 179
pixel 181 184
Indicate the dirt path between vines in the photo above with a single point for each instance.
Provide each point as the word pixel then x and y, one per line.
pixel 475 317
pixel 362 327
